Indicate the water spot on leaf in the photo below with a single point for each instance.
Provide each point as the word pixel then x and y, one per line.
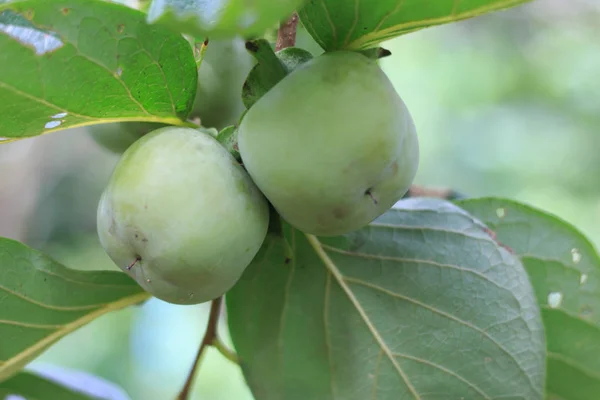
pixel 52 124
pixel 23 31
pixel 555 299
pixel 59 115
pixel 583 279
pixel 500 212
pixel 119 71
pixel 575 255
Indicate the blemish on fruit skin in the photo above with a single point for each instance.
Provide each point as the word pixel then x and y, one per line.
pixel 340 212
pixel 555 299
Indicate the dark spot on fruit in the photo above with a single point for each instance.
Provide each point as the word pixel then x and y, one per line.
pixel 369 193
pixel 340 212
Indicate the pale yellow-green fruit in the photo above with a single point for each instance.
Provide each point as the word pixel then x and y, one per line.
pixel 184 214
pixel 332 145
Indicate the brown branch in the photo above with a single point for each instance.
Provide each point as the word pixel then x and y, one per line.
pixel 441 193
pixel 209 337
pixel 286 35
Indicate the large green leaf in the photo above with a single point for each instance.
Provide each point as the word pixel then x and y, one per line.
pixel 41 301
pixel 221 18
pixel 360 24
pixel 564 269
pixel 32 387
pixel 421 304
pixel 67 63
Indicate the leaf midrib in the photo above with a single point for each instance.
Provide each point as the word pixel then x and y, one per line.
pixel 5 367
pixel 316 244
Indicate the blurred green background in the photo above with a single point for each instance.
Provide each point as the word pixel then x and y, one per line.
pixel 505 105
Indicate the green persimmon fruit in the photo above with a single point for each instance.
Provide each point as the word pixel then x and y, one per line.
pixel 221 75
pixel 181 216
pixel 118 136
pixel 332 145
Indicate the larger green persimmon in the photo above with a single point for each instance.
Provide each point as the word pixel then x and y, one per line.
pixel 332 145
pixel 181 216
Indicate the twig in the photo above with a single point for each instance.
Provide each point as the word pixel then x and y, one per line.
pixel 225 351
pixel 209 338
pixel 421 191
pixel 286 35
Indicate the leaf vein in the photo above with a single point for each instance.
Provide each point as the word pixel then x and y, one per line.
pixel 445 370
pixel 316 244
pixel 446 315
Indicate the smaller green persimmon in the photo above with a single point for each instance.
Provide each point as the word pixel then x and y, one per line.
pixel 181 216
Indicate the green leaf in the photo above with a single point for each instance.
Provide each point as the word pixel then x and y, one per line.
pixel 421 304
pixel 564 269
pixel 68 63
pixel 221 18
pixel 361 24
pixel 41 301
pixel 31 386
pixel 271 68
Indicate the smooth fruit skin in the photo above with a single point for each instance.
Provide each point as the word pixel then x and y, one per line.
pixel 179 202
pixel 332 145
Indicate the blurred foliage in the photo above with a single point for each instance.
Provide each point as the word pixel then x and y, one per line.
pixel 504 104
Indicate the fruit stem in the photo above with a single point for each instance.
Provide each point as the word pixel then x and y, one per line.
pixel 421 191
pixel 199 50
pixel 286 35
pixel 210 335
